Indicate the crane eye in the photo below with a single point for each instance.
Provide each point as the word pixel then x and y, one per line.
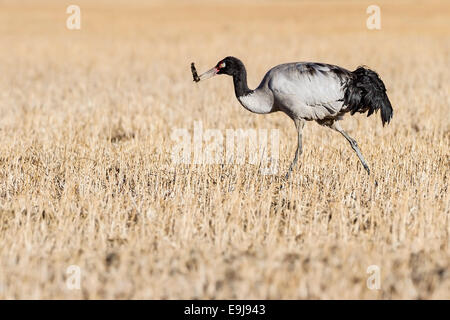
pixel 222 65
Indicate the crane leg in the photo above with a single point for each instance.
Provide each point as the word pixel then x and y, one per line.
pixel 336 126
pixel 299 124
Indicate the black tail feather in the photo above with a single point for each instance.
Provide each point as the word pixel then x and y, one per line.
pixel 366 92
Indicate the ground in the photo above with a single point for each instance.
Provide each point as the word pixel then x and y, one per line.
pixel 88 186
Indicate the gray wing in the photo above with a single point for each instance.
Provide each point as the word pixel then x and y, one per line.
pixel 310 91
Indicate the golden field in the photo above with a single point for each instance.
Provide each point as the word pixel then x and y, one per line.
pixel 87 177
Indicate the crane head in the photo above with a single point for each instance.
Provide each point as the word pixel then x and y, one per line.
pixel 229 66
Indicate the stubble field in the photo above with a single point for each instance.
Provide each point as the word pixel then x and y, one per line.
pixel 87 178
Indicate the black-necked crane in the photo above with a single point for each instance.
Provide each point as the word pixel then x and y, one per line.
pixel 307 91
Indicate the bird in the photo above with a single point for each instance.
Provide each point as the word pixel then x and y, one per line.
pixel 309 91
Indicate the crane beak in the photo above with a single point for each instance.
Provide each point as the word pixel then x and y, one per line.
pixel 209 74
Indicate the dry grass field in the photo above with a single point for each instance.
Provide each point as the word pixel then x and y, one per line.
pixel 87 178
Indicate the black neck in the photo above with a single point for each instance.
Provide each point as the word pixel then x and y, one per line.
pixel 240 82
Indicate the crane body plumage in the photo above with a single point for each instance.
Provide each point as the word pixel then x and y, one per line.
pixel 308 91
